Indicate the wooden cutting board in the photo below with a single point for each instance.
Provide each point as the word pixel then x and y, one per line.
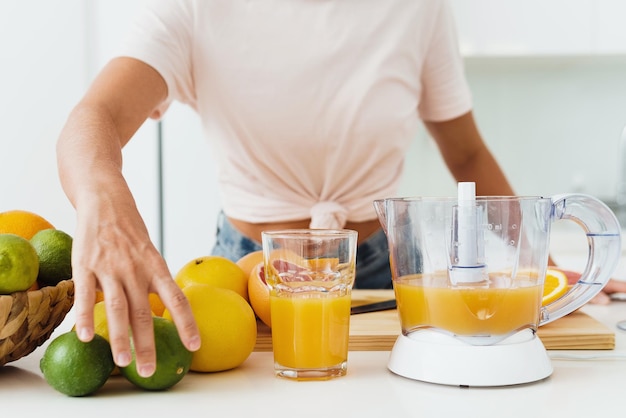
pixel 377 331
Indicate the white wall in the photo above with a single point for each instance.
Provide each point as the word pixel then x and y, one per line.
pixel 51 50
pixel 41 77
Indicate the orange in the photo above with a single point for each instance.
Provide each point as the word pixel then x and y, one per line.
pixel 22 223
pixel 227 327
pixel 554 286
pixel 216 271
pixel 156 305
pixel 99 296
pixel 259 294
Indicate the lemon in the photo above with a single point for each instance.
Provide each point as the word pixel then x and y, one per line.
pixel 19 264
pixel 101 326
pixel 554 286
pixel 76 368
pixel 216 271
pixel 54 249
pixel 173 359
pixel 227 327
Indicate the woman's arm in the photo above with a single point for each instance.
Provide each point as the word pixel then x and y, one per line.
pixel 467 156
pixel 112 249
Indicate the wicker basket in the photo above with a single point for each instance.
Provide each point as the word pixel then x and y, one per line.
pixel 27 319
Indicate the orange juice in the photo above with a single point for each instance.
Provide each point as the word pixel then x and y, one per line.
pixel 310 331
pixel 473 310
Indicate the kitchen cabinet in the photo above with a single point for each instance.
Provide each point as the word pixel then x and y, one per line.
pixel 536 27
pixel 509 27
pixel 609 18
pixel 191 201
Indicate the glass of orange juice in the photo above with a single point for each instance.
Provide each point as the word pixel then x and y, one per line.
pixel 310 273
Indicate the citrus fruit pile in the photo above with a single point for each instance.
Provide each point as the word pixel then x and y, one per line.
pixel 33 253
pixel 77 368
pixel 217 290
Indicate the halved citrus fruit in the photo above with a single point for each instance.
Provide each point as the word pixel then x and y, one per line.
pixel 323 264
pixel 259 294
pixel 554 286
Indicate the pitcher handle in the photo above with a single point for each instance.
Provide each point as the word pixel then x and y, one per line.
pixel 604 237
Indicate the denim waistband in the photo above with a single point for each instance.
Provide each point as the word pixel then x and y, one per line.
pixel 372 257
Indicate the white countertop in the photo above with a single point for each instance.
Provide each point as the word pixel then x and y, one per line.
pixel 578 387
pixel 583 384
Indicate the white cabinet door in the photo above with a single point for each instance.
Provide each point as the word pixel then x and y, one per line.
pixel 530 27
pixel 191 201
pixel 609 23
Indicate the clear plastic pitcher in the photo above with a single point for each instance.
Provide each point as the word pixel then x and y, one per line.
pixel 475 269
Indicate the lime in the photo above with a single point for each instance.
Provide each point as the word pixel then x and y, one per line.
pixel 18 264
pixel 173 359
pixel 54 248
pixel 76 368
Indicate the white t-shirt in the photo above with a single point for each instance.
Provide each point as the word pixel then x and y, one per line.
pixel 310 104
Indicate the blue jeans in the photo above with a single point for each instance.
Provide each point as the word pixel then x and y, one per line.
pixel 372 255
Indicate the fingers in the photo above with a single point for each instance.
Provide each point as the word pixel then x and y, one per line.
pixel 85 295
pixel 615 286
pixel 177 304
pixel 601 299
pixel 129 316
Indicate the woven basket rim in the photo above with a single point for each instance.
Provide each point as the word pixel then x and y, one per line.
pixel 28 318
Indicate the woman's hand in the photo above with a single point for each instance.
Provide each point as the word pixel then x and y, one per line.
pixel 602 298
pixel 113 252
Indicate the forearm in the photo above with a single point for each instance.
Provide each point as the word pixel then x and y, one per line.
pixel 467 157
pixel 89 155
pixel 89 149
pixel 483 169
